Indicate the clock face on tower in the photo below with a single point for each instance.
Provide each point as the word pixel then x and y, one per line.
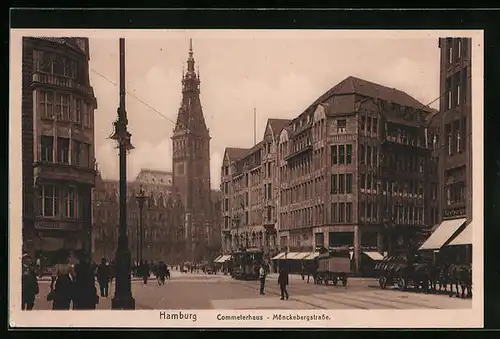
pixel 179 169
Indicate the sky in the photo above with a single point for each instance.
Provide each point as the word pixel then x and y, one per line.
pixel 278 73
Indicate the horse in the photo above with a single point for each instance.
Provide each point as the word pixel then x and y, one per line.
pixel 461 275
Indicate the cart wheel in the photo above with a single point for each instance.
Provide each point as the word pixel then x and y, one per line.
pixel 344 281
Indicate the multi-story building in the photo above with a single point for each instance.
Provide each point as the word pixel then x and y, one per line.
pixel 191 164
pixel 450 136
pixel 58 166
pixel 352 169
pixel 162 218
pixel 249 188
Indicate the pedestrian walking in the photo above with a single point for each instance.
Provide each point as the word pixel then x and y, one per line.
pixel 161 272
pixel 262 278
pixel 61 286
pixel 283 282
pixel 146 271
pixel 29 285
pixel 84 291
pixel 103 276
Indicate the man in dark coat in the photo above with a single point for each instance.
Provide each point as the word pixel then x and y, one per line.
pixel 103 277
pixel 29 286
pixel 283 282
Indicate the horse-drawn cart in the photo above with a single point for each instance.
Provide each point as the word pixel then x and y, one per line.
pixel 334 266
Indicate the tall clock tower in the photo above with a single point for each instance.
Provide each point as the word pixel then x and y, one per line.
pixel 191 162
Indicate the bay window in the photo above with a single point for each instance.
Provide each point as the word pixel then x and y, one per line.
pixel 46 105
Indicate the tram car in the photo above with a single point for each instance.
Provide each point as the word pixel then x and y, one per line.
pixel 334 265
pixel 246 263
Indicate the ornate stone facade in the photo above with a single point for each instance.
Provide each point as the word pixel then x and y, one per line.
pixel 163 218
pixel 57 145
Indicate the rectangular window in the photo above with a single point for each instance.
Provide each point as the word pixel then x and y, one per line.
pixel 368 155
pixel 334 213
pixel 334 184
pixel 369 181
pixel 87 110
pixel 348 183
pixel 63 150
pixel 362 181
pixel 77 153
pixel 77 118
pixel 226 205
pixel 62 107
pixel 375 125
pixel 69 204
pixel 362 123
pixel 342 212
pixel 368 125
pixel 47 148
pixel 362 210
pixel 375 156
pixel 49 198
pixel 319 239
pixel 448 91
pixel 46 105
pixel 368 211
pixel 348 212
pixel 334 154
pixel 85 155
pixel 341 154
pixel 348 154
pixel 362 154
pixel 269 169
pixel 341 183
pixel 464 83
pixel 341 126
pixel 269 191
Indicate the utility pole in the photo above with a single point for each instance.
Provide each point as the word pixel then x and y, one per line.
pixel 123 299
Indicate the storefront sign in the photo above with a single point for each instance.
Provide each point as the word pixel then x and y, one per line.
pixel 55 225
pixel 454 212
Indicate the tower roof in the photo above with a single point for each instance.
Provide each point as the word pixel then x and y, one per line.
pixel 190 117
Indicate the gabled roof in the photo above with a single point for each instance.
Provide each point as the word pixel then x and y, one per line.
pixel 354 85
pixel 277 125
pixel 236 153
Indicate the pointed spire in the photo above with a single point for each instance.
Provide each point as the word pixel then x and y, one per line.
pixel 190 61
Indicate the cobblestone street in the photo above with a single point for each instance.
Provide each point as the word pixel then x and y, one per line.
pixel 199 291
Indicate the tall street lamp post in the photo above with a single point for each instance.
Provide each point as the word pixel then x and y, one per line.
pixel 123 299
pixel 141 199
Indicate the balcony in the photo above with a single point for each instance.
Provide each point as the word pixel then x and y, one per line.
pixel 302 149
pixel 61 81
pixel 62 172
pixel 394 140
pixel 57 224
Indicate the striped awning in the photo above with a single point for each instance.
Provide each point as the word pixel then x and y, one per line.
pixel 311 256
pixel 464 238
pixel 223 259
pixel 279 256
pixel 442 234
pixel 215 260
pixel 374 255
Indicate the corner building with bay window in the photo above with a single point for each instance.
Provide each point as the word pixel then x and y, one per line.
pixel 58 164
pixel 352 171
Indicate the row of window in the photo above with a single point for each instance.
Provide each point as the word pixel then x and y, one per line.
pixel 341 183
pixel 309 216
pixel 368 124
pixel 457 132
pixel 157 234
pixel 368 155
pixel 59 201
pixel 52 63
pixel 303 191
pixel 65 151
pixel 455 193
pixel 456 89
pixel 341 212
pixel 64 107
pixel 341 154
pixel 403 214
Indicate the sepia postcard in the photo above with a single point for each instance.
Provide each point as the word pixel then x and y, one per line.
pixel 246 178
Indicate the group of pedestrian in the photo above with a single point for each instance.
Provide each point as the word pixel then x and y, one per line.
pixel 282 281
pixel 73 284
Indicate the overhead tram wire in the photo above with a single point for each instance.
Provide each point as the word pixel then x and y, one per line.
pixel 135 97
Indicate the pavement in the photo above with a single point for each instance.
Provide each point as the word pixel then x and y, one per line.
pixel 200 291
